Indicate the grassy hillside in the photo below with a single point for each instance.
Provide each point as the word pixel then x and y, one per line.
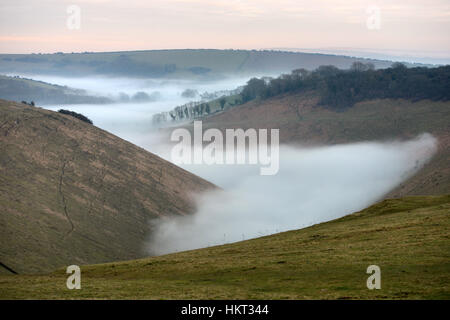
pixel 409 239
pixel 173 63
pixel 302 121
pixel 73 193
pixel 22 89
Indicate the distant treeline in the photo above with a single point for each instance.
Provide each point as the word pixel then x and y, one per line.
pixel 339 89
pixel 209 103
pixel 76 115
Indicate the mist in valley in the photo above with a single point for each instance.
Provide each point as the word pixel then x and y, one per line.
pixel 313 185
pixel 163 94
pixel 130 120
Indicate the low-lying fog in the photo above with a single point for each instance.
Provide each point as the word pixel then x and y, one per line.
pixel 313 185
pixel 166 93
pixel 130 120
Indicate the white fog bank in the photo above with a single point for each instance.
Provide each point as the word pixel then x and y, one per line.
pixel 168 91
pixel 313 185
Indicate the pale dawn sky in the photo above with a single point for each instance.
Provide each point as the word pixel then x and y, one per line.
pixel 405 26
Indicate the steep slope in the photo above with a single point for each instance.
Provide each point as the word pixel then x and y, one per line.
pixel 73 193
pixel 302 121
pixel 407 238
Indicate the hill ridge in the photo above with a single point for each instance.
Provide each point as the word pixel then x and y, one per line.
pixel 70 191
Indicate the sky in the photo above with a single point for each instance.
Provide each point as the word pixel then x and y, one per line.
pixel 409 27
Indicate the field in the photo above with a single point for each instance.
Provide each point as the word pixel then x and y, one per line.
pixel 407 238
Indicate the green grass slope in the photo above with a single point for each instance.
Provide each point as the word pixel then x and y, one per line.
pixel 409 239
pixel 73 193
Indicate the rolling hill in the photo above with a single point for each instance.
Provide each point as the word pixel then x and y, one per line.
pixel 407 238
pixel 23 89
pixel 188 63
pixel 73 193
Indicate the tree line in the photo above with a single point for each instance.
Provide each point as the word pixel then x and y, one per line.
pixel 76 115
pixel 340 89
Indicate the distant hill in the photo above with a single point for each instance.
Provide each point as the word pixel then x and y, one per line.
pixel 336 89
pixel 23 89
pixel 407 238
pixel 340 89
pixel 71 193
pixel 188 63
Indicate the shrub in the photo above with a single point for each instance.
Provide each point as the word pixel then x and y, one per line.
pixel 76 115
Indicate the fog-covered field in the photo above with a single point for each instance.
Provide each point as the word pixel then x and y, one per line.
pixel 133 121
pixel 169 90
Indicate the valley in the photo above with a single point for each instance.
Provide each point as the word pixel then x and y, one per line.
pixel 408 239
pixel 73 193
